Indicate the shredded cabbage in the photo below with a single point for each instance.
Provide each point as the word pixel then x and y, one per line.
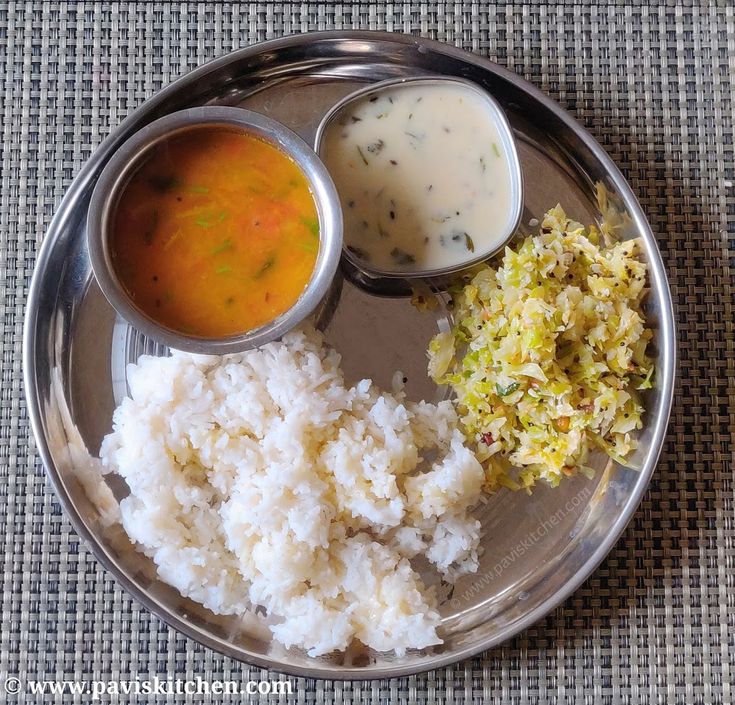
pixel 548 352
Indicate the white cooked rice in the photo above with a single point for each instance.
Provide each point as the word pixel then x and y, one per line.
pixel 262 479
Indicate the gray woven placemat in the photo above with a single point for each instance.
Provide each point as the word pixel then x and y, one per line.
pixel 655 85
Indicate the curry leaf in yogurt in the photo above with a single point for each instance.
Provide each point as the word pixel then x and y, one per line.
pixel 401 257
pixel 359 252
pixel 362 155
pixel 376 147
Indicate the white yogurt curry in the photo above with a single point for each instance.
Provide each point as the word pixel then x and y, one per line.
pixel 422 175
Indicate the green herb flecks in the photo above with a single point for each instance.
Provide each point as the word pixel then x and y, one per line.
pixel 268 264
pixel 208 220
pixel 496 149
pixel 469 244
pixel 226 245
pixel 505 391
pixel 312 224
pixel 223 269
pixel 198 189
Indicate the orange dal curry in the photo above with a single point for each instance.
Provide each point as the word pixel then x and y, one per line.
pixel 216 234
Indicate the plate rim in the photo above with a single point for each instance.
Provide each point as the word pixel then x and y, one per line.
pixel 69 203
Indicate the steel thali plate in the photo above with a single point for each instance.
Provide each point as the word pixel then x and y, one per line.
pixel 538 549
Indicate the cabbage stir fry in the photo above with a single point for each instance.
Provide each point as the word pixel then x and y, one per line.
pixel 548 354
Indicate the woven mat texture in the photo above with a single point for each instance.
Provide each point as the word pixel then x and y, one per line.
pixel 655 84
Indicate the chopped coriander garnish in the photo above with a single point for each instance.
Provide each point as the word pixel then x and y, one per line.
pixel 265 266
pixel 226 245
pixel 312 224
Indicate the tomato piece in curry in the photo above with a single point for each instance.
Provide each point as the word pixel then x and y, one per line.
pixel 216 233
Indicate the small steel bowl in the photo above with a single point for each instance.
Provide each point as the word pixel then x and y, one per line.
pixel 393 281
pixel 129 157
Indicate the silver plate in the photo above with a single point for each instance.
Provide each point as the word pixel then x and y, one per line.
pixel 537 550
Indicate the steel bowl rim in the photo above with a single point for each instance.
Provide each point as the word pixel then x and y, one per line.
pixel 127 159
pixel 665 375
pixel 516 173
